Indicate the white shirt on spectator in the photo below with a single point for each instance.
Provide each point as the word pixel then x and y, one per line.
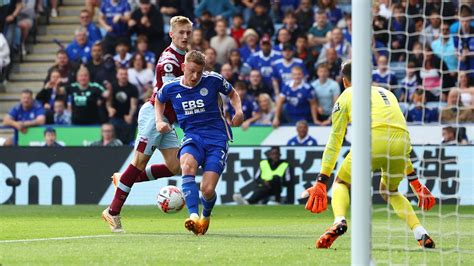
pixel 141 80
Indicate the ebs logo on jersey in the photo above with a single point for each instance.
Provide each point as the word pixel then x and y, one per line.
pixel 193 107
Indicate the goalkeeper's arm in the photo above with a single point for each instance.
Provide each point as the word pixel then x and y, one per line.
pixel 426 201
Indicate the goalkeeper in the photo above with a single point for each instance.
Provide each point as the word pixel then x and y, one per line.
pixel 390 153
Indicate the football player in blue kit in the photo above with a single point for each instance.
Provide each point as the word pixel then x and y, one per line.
pixel 196 99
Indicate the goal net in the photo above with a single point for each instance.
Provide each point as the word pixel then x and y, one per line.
pixel 423 51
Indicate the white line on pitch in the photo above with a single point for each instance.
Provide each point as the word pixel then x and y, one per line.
pixel 54 238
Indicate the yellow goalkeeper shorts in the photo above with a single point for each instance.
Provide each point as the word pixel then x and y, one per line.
pixel 390 153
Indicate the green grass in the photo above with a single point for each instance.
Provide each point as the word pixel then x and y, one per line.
pixel 238 235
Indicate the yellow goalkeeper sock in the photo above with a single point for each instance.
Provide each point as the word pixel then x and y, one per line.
pixel 340 199
pixel 404 210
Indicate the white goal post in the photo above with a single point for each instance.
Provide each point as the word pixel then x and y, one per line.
pixel 361 195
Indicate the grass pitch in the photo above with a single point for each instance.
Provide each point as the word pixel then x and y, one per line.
pixel 238 235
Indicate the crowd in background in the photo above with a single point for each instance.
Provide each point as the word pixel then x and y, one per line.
pixel 283 58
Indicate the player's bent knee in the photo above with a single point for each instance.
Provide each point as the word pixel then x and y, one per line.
pixel 188 164
pixel 207 191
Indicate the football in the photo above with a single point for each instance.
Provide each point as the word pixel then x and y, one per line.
pixel 170 199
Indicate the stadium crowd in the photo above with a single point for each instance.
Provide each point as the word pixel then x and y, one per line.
pixel 283 57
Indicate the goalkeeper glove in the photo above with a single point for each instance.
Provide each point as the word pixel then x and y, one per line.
pixel 426 201
pixel 318 199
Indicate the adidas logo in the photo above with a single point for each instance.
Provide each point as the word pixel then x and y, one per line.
pixel 178 96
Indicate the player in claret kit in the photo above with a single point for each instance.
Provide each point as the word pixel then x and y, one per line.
pixel 148 139
pixel 390 152
pixel 196 99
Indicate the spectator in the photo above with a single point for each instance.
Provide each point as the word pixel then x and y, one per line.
pixel 249 44
pixel 171 8
pixel 50 138
pixel 334 63
pixel 236 63
pixel 25 22
pixel 417 56
pixel 386 78
pixel 237 30
pixel 318 33
pixel 302 138
pixel 114 16
pixel 197 41
pixel 219 8
pixel 256 86
pixel 419 113
pixel 142 48
pixel 27 113
pixel 444 48
pixel 148 21
pixel 272 174
pixel 380 29
pixel 299 98
pixel 263 61
pixel 433 30
pixel 434 76
pixel 4 55
pixel 449 136
pixel 306 54
pixel 333 12
pixel 400 29
pixel 249 106
pixel 91 5
pixel 108 137
pixel 140 77
pixel 410 82
pixel 467 92
pixel 68 69
pixel 222 42
pixel 465 44
pixel 228 74
pixel 51 91
pixel 455 112
pixel 290 24
pixel 86 100
pixel 211 64
pixel 283 38
pixel 122 56
pixel 347 31
pixel 10 28
pixel 383 8
pixel 260 21
pixel 282 7
pixel 85 19
pixel 304 15
pixel 282 67
pixel 266 110
pixel 122 107
pixel 4 6
pixel 336 41
pixel 61 115
pixel 206 24
pixel 79 50
pixel 326 91
pixel 96 66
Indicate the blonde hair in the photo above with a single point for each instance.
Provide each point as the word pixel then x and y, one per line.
pixel 195 57
pixel 179 20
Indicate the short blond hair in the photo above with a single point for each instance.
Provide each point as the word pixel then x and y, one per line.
pixel 196 57
pixel 179 20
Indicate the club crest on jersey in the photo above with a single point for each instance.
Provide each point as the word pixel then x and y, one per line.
pixel 226 84
pixel 203 92
pixel 168 67
pixel 336 108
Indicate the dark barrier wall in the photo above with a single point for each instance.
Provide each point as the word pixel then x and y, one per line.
pixel 81 175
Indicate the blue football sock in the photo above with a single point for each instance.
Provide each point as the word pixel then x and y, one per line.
pixel 208 205
pixel 191 194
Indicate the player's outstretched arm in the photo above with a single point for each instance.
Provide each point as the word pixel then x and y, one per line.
pixel 426 200
pixel 238 118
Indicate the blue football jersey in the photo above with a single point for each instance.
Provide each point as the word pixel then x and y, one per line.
pixel 297 105
pixel 199 109
pixel 263 64
pixel 282 70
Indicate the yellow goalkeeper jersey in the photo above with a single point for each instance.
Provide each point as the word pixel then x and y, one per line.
pixel 386 114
